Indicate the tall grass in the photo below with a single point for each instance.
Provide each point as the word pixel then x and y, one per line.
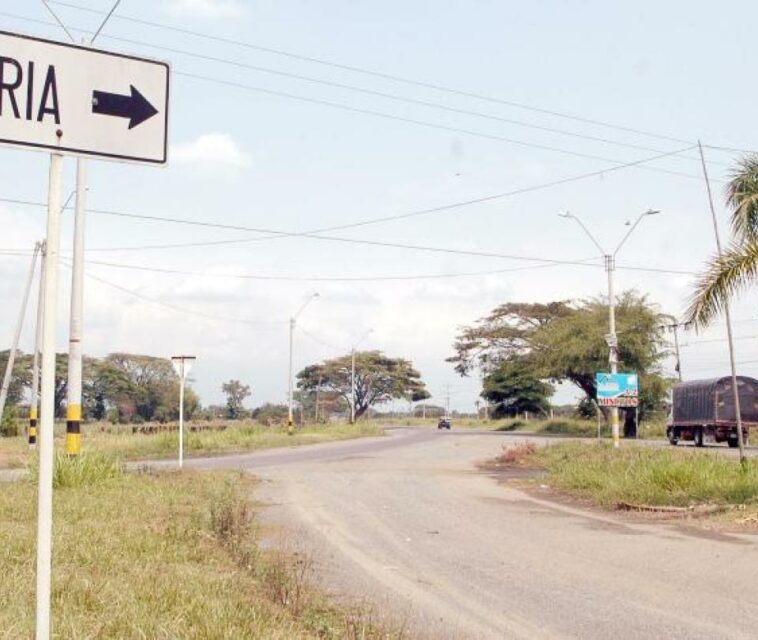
pixel 161 556
pixel 122 444
pixel 645 475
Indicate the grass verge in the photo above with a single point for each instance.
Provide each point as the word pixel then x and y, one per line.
pixel 644 475
pixel 238 437
pixel 161 556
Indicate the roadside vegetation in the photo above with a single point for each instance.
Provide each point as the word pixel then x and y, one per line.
pixel 638 475
pixel 139 443
pixel 161 556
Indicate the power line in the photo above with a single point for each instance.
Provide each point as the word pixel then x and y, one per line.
pixel 374 243
pixel 380 114
pixel 376 74
pixel 391 96
pixel 105 21
pixel 434 276
pixel 57 19
pixel 427 124
pixel 182 309
pixel 318 340
pixel 372 221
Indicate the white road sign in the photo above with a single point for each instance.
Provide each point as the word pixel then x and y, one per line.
pixel 82 101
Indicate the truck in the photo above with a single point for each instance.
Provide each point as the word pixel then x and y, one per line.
pixel 703 409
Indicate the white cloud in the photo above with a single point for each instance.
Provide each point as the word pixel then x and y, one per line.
pixel 206 8
pixel 210 149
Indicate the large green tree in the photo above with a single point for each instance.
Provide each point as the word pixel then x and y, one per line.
pixel 737 268
pixel 378 379
pixel 565 341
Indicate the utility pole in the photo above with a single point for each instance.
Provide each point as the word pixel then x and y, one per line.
pixel 727 313
pixel 182 365
pixel 17 333
pixel 293 321
pixel 674 328
pixel 34 400
pixel 447 400
pixel 318 392
pixel 75 355
pixel 609 260
pixel 47 404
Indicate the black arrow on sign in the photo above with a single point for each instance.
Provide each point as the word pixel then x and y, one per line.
pixel 135 107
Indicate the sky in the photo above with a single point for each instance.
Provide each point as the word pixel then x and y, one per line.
pixel 300 116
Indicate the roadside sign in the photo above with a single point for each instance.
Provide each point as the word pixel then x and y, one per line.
pixel 617 389
pixel 73 99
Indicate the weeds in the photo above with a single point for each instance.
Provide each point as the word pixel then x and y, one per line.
pixel 643 475
pixel 162 556
pixel 517 455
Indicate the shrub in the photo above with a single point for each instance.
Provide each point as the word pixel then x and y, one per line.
pixel 9 425
pixel 87 469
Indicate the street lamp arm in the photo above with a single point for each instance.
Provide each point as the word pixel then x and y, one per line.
pixel 305 304
pixel 649 212
pixel 586 230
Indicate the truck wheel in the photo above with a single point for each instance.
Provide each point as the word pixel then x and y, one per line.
pixel 698 437
pixel 671 434
pixel 733 443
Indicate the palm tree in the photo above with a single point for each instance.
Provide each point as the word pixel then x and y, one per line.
pixel 737 268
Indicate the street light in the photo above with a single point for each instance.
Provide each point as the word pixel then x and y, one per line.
pixel 293 320
pixel 182 366
pixel 352 375
pixel 610 267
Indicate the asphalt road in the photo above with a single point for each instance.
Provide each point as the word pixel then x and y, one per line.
pixel 408 523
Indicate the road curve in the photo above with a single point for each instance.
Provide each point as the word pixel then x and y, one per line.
pixel 408 523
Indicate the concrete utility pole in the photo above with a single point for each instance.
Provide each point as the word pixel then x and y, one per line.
pixel 17 333
pixel 182 366
pixel 447 400
pixel 674 328
pixel 727 313
pixel 352 375
pixel 609 260
pixel 34 400
pixel 293 321
pixel 75 355
pixel 47 404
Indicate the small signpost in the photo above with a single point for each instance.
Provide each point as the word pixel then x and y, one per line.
pixel 182 366
pixel 617 389
pixel 71 99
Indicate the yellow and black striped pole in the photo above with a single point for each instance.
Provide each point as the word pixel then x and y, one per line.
pixel 74 390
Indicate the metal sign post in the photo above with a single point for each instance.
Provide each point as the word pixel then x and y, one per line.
pixel 72 99
pixel 182 366
pixel 47 403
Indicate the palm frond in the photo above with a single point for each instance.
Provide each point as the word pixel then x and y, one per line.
pixel 742 196
pixel 735 270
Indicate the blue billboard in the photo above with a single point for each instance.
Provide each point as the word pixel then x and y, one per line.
pixel 617 389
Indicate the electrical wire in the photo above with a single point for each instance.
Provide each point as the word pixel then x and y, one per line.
pixel 359 241
pixel 433 276
pixel 427 124
pixel 391 96
pixel 389 116
pixel 324 343
pixel 375 74
pixel 182 310
pixel 361 223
